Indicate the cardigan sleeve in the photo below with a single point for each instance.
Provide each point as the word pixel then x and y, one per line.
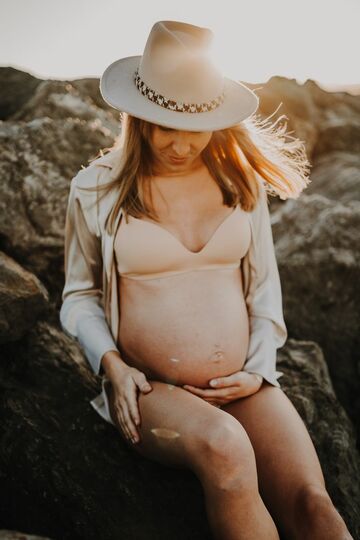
pixel 267 327
pixel 81 314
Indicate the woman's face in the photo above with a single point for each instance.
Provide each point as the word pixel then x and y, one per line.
pixel 177 151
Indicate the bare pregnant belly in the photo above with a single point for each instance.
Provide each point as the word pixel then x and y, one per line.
pixel 184 329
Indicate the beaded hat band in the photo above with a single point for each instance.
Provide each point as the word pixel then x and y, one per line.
pixel 175 105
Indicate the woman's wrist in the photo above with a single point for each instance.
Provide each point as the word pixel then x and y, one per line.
pixel 112 360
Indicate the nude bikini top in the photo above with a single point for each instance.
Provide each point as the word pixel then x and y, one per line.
pixel 146 250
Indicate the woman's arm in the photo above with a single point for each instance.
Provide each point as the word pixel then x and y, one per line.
pixel 82 315
pixel 267 327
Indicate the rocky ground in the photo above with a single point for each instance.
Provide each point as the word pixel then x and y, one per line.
pixel 65 473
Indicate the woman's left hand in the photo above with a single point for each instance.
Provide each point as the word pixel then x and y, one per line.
pixel 230 388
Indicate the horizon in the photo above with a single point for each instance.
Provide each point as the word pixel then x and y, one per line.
pixel 352 88
pixel 78 40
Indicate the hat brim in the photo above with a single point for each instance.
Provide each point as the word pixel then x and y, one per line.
pixel 118 89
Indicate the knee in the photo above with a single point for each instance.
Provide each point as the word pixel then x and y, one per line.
pixel 311 500
pixel 315 511
pixel 228 455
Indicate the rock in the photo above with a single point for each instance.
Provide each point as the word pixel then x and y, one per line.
pixel 23 299
pixel 318 257
pixel 338 135
pixel 325 121
pixel 336 175
pixel 16 535
pixel 307 384
pixel 75 463
pixel 287 97
pixel 60 100
pixel 90 87
pixel 16 87
pixel 37 161
pixel 79 98
pixel 333 104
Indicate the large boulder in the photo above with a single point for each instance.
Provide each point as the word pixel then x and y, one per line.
pixel 77 478
pixel 336 175
pixel 90 87
pixel 319 260
pixel 23 299
pixel 338 134
pixel 16 87
pixel 37 161
pixel 60 100
pixel 325 121
pixel 307 383
pixel 282 96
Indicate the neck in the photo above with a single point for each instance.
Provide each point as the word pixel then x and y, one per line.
pixel 178 171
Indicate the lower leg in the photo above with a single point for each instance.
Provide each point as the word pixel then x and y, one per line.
pixel 290 475
pixel 237 513
pixel 317 518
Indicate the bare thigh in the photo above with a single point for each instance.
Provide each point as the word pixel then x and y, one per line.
pixel 175 425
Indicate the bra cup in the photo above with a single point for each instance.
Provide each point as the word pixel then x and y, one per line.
pixel 145 250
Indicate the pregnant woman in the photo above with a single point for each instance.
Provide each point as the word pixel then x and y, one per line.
pixel 173 291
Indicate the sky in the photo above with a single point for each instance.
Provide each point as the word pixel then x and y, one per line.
pixel 253 40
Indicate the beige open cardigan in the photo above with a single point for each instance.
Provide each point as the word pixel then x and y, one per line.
pixel 90 299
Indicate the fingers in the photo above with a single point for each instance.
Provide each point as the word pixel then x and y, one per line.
pixel 133 413
pixel 128 406
pixel 129 423
pixel 241 379
pixel 123 424
pixel 133 406
pixel 142 382
pixel 244 384
pixel 212 394
pixel 230 380
pixel 127 412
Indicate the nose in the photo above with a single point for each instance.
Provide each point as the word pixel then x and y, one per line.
pixel 181 145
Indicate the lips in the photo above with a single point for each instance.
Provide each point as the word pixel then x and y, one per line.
pixel 177 160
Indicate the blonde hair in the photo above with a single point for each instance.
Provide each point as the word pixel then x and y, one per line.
pixel 234 157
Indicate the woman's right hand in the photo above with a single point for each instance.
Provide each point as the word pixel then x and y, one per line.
pixel 126 382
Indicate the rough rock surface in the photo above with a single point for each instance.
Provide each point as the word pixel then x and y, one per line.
pixel 338 134
pixel 336 175
pixel 319 262
pixel 307 383
pixel 16 88
pixel 78 479
pixel 60 100
pixel 37 161
pixel 16 535
pixel 23 298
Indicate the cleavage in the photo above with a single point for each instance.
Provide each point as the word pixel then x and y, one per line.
pixel 215 229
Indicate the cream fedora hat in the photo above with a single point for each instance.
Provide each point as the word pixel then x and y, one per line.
pixel 176 84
